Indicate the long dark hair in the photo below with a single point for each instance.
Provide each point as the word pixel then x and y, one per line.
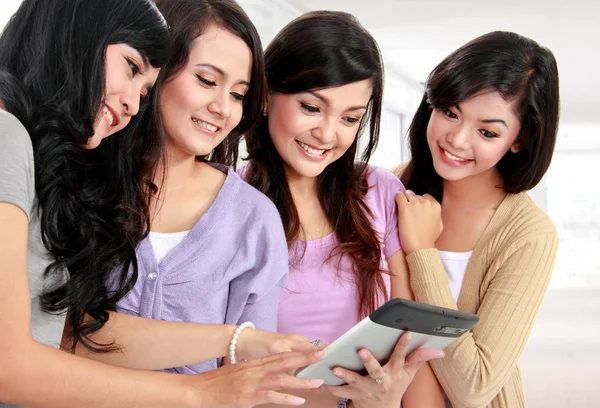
pixel 92 204
pixel 189 19
pixel 520 70
pixel 319 50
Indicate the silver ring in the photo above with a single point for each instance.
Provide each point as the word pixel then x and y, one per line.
pixel 378 381
pixel 317 342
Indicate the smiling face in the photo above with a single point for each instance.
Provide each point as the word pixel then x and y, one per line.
pixel 203 103
pixel 469 139
pixel 128 78
pixel 312 129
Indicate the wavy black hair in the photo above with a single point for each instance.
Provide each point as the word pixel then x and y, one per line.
pixel 323 49
pixel 92 203
pixel 520 70
pixel 189 19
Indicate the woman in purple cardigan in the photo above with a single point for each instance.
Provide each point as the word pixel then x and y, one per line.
pixel 216 255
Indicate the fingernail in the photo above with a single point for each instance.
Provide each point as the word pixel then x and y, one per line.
pixel 316 383
pixel 362 354
pixel 338 373
pixel 319 354
pixel 298 401
pixel 409 191
pixel 440 354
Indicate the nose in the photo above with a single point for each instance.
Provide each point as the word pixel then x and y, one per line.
pixel 221 104
pixel 325 131
pixel 131 101
pixel 459 138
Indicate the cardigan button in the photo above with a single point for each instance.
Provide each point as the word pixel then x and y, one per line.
pixel 152 275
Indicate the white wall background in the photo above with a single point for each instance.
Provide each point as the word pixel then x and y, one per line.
pixel 562 359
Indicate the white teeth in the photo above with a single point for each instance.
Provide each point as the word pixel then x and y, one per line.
pixel 310 149
pixel 205 125
pixel 452 157
pixel 109 116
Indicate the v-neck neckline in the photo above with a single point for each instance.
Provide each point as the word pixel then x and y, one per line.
pixel 490 230
pixel 201 230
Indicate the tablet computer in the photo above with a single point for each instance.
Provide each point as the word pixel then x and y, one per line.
pixel 430 326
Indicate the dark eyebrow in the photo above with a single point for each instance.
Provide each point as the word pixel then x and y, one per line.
pixel 220 72
pixel 326 101
pixel 487 120
pixel 494 121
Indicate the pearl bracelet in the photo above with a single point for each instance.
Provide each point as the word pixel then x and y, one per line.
pixel 234 339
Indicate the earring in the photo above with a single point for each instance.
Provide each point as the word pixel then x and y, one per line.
pixel 265 112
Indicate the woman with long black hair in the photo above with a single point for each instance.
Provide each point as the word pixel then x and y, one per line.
pixel 73 207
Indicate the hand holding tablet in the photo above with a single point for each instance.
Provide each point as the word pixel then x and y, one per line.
pixel 430 327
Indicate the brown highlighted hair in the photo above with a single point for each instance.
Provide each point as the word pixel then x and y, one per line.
pixel 319 50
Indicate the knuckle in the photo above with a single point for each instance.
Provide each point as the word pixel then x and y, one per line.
pixel 280 345
pixel 287 365
pixel 261 370
pixel 275 381
pixel 351 380
pixel 270 396
pixel 302 339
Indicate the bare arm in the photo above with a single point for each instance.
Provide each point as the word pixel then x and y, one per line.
pixel 424 391
pixel 150 344
pixel 36 375
pixel 59 379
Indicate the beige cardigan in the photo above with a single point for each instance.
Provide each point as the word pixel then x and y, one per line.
pixel 504 284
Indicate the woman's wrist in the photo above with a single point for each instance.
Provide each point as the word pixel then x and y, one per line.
pixel 411 249
pixel 233 354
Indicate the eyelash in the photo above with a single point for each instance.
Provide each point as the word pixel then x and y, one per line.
pixel 313 109
pixel 484 132
pixel 310 108
pixel 206 81
pixel 450 114
pixel 135 69
pixel 237 96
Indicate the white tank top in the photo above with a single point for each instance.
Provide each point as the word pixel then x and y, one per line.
pixel 455 264
pixel 163 243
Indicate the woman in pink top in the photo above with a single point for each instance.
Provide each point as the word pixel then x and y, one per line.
pixel 325 78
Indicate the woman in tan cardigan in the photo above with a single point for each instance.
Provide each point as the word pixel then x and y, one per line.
pixel 483 135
